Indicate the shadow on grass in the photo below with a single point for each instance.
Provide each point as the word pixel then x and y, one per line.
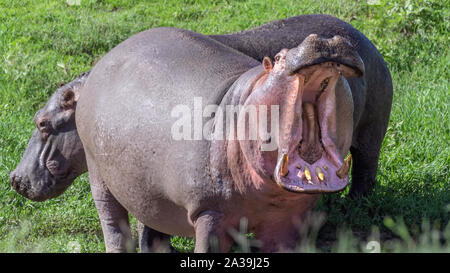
pixel 420 208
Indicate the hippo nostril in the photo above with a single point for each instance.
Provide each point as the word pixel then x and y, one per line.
pixel 15 180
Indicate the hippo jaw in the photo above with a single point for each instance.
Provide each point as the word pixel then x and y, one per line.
pixel 315 165
pixel 47 187
pixel 39 176
pixel 318 177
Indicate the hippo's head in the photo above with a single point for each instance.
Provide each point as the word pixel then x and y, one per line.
pixel 315 118
pixel 55 155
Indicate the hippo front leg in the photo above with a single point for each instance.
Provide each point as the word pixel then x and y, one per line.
pixel 211 233
pixel 365 153
pixel 364 171
pixel 113 216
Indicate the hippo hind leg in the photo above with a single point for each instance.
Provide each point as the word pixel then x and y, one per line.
pixel 151 240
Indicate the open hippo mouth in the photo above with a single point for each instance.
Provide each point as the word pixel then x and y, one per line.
pixel 315 165
pixel 309 160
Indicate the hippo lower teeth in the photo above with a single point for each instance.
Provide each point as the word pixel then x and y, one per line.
pixel 307 174
pixel 320 174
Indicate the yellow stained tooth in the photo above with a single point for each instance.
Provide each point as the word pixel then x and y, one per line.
pixel 299 166
pixel 307 174
pixel 284 165
pixel 343 171
pixel 325 167
pixel 320 174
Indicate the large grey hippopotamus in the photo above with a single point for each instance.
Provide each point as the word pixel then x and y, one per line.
pixel 203 187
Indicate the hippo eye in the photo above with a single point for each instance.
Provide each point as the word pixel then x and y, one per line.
pixel 44 126
pixel 277 58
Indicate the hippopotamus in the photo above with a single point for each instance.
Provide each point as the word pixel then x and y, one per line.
pixel 203 187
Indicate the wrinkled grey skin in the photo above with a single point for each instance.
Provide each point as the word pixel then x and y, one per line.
pixel 372 95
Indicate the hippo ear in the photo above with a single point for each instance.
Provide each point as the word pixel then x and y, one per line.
pixel 68 99
pixel 315 50
pixel 267 64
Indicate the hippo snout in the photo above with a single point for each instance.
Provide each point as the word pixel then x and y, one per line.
pixel 18 183
pixel 40 185
pixel 22 184
pixel 15 180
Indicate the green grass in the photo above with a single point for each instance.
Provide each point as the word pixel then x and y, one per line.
pixel 44 43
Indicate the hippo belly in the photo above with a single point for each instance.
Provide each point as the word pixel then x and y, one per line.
pixel 142 166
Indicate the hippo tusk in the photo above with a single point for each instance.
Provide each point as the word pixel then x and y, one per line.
pixel 281 169
pixel 284 170
pixel 343 171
